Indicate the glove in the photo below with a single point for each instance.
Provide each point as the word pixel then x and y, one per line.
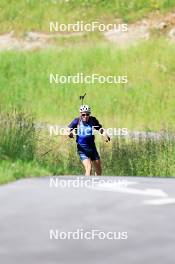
pixel 71 135
pixel 107 139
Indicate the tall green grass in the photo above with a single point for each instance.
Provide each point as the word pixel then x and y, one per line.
pixel 18 146
pixel 17 136
pixel 122 157
pixel 146 101
pixel 25 152
pixel 140 157
pixel 27 15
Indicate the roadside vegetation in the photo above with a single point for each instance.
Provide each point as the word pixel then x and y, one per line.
pixel 26 151
pixel 145 103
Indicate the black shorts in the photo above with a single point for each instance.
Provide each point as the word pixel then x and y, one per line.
pixel 89 152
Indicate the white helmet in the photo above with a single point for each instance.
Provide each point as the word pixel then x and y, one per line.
pixel 85 108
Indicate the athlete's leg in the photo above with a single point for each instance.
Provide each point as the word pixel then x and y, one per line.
pixel 88 166
pixel 97 166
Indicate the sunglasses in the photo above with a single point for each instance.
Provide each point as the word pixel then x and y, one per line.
pixel 85 115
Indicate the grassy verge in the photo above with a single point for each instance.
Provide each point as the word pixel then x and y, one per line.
pixel 146 101
pixel 22 16
pixel 14 170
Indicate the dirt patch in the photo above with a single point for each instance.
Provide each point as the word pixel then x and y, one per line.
pixel 9 41
pixel 141 30
pixel 136 32
pixel 31 40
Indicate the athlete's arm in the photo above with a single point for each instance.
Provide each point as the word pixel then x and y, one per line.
pixel 71 127
pixel 99 127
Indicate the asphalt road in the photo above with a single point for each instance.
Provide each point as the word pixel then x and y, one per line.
pixel 140 210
